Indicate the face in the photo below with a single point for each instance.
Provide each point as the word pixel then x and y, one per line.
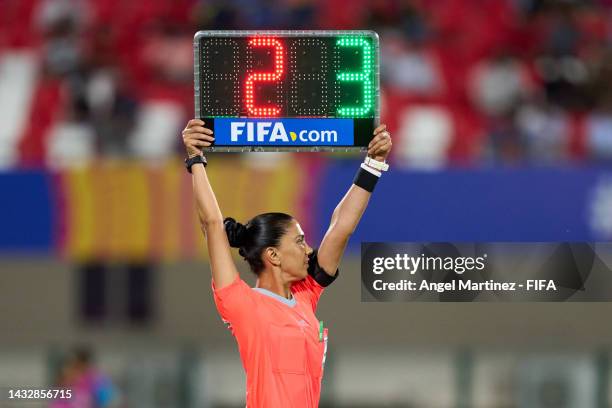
pixel 293 252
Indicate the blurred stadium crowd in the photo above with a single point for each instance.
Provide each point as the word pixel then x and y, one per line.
pixel 463 82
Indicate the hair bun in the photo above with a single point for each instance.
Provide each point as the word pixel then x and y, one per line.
pixel 236 232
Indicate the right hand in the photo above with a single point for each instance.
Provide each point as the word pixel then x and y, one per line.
pixel 196 136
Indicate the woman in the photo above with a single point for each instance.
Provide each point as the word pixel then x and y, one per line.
pixel 282 344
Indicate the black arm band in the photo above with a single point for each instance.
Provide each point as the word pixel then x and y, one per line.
pixel 317 273
pixel 365 180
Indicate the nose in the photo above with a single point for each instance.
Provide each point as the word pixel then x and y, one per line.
pixel 309 250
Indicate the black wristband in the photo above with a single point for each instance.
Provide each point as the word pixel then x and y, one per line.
pixel 194 160
pixel 365 180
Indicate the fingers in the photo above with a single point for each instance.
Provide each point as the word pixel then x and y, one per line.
pixel 379 133
pixel 196 135
pixel 381 147
pixel 196 126
pixel 374 140
pixel 197 144
pixel 197 129
pixel 201 143
pixel 383 135
pixel 380 144
pixel 195 122
pixel 374 149
pixel 380 129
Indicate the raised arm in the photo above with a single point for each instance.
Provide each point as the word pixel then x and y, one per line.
pixel 196 136
pixel 348 212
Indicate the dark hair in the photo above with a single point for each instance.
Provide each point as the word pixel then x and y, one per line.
pixel 82 354
pixel 261 232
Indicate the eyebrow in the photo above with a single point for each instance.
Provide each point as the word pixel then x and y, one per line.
pixel 300 236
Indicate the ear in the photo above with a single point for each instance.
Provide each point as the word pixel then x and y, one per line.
pixel 271 255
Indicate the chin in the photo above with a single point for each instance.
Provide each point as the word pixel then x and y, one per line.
pixel 299 275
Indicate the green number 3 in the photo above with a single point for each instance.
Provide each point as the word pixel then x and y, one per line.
pixel 365 76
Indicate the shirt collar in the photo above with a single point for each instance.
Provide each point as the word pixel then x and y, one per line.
pixel 289 302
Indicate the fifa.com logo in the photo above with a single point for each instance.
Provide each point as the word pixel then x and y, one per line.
pixel 275 132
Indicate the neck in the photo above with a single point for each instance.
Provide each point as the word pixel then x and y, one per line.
pixel 274 282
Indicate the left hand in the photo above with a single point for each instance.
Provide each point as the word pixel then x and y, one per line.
pixel 380 146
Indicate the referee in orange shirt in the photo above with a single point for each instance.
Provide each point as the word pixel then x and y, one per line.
pixel 282 344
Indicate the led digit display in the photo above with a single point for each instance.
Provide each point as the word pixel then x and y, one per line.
pixel 275 75
pixel 287 90
pixel 364 75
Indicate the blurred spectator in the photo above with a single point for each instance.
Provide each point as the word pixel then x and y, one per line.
pixel 424 137
pixel 563 72
pixel 599 124
pixel 112 107
pixel 168 53
pixel 545 129
pixel 562 32
pixel 599 133
pixel 61 21
pixel 113 111
pixel 529 7
pixel 564 80
pixel 90 387
pixel 497 87
pixel 216 15
pixel 409 66
pixel 301 15
pixel 71 142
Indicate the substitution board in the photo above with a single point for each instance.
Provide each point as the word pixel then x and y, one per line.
pixel 287 90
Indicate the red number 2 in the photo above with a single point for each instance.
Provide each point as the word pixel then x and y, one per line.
pixel 264 77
